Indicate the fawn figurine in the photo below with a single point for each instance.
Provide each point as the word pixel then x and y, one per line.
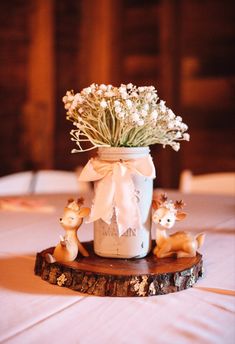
pixel 69 246
pixel 179 244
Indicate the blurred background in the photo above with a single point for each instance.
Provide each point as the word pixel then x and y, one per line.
pixel 185 48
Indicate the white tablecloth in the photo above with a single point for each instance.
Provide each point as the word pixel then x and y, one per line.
pixel 33 311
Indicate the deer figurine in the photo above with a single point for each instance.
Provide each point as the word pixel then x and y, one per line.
pixel 69 245
pixel 179 244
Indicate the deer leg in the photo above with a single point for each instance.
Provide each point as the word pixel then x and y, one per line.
pixel 82 249
pixel 164 251
pixel 182 254
pixel 188 250
pixel 50 258
pixel 155 250
pixel 166 255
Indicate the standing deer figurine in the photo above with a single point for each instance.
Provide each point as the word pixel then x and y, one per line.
pixel 181 244
pixel 69 246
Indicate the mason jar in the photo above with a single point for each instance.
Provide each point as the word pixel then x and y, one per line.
pixel 135 242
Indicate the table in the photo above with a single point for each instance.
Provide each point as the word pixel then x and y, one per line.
pixel 33 311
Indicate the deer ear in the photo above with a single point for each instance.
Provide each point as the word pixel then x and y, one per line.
pixel 154 204
pixel 180 216
pixel 83 212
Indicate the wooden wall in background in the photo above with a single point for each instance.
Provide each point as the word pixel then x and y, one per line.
pixel 38 112
pixel 184 48
pixel 207 84
pixel 68 46
pixel 14 46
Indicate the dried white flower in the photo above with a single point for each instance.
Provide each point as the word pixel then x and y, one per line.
pixel 140 122
pixel 99 92
pixel 124 95
pixel 175 146
pixel 178 118
pixel 103 104
pixel 109 94
pixel 141 89
pixel 178 135
pixel 154 115
pixel 103 87
pixel 171 114
pixel 129 103
pixel 162 106
pixel 78 98
pixel 186 137
pixel 144 113
pixel 70 98
pixel 65 99
pixel 87 90
pixel 149 96
pixel 134 94
pixel 135 117
pixel 122 89
pixel 146 107
pixel 67 106
pixel 118 109
pixel 171 125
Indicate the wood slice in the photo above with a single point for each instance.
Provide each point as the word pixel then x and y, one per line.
pixel 99 276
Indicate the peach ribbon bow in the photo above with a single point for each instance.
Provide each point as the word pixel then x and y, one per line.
pixel 115 189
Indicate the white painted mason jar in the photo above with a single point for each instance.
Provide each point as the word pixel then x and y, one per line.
pixel 135 242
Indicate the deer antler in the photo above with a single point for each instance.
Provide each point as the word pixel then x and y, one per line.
pixel 179 204
pixel 163 198
pixel 80 201
pixel 75 205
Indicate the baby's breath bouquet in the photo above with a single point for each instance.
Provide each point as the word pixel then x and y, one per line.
pixel 125 116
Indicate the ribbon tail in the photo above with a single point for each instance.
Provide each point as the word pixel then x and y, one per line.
pixel 102 207
pixel 126 206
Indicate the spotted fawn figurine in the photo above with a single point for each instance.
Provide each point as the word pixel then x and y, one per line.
pixel 69 246
pixel 179 244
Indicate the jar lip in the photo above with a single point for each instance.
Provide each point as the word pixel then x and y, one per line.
pixel 124 150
